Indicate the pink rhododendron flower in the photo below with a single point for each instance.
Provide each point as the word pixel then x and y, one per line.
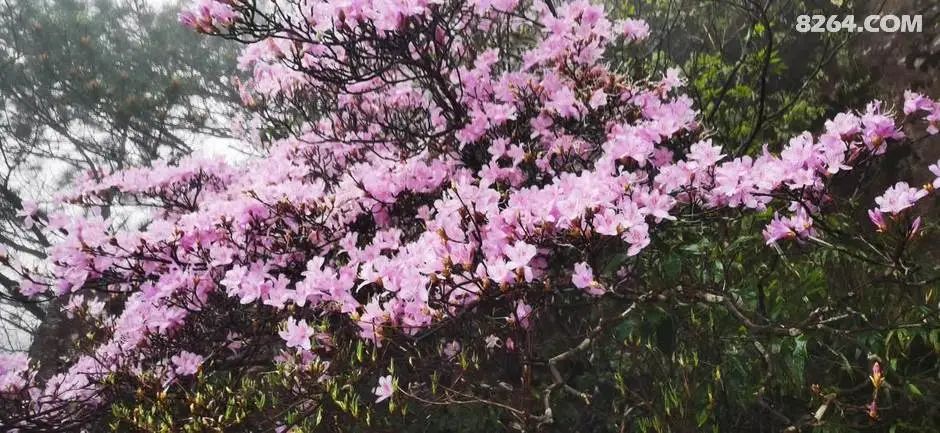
pixel 877 127
pixel 899 197
pixel 451 349
pixel 30 288
pixel 385 389
pixel 28 213
pixel 598 99
pixel 583 278
pixel 671 80
pixel 13 372
pixel 914 102
pixel 492 342
pixel 186 363
pixel 504 5
pixel 634 29
pixel 520 255
pixel 208 16
pixel 564 102
pixel 583 275
pixel 799 225
pixel 297 334
pixel 778 228
pixel 522 314
pixel 705 154
pixel 935 169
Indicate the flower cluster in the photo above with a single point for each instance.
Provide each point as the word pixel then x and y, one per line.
pixel 186 363
pixel 14 373
pixel 208 15
pixel 900 197
pixel 918 104
pixel 446 176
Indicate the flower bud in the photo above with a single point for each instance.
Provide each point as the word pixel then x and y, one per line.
pixel 877 378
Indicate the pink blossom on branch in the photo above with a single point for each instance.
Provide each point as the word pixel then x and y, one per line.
pixel 297 334
pixel 428 189
pixel 14 374
pixel 522 315
pixel 935 169
pixel 385 389
pixel 28 213
pixel 186 363
pixel 208 16
pixel 899 197
pixel 634 29
pixel 797 226
pixel 583 278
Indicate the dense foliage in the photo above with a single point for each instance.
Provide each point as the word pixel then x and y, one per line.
pixel 470 219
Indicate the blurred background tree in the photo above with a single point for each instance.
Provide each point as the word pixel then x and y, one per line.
pixel 89 87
